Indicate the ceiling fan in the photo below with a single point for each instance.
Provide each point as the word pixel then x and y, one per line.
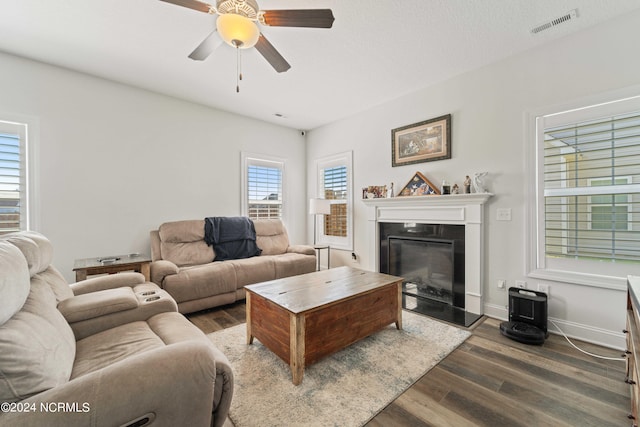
pixel 237 26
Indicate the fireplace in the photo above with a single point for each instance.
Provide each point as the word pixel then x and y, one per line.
pixel 425 264
pixel 435 243
pixel 431 259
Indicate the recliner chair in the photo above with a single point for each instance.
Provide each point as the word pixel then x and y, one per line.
pixel 106 351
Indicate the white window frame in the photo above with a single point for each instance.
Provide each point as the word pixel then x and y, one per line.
pixel 336 242
pixel 574 272
pixel 253 159
pixel 27 130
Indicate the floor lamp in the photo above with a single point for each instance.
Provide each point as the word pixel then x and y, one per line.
pixel 318 207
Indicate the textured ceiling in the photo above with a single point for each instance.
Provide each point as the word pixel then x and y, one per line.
pixel 376 51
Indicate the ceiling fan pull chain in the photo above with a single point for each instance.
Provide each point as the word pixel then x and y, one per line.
pixel 238 73
pixel 240 64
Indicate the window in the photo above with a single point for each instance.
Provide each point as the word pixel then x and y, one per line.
pixel 610 212
pixel 588 192
pixel 335 190
pixel 262 187
pixel 13 177
pixel 334 184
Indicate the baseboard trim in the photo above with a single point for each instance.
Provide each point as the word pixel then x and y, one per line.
pixel 496 311
pixel 591 334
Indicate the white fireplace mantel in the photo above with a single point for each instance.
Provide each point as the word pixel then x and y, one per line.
pixel 459 209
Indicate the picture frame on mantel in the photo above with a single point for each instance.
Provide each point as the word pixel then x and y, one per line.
pixel 419 185
pixel 425 141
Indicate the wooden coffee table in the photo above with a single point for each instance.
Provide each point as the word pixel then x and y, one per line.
pixel 307 317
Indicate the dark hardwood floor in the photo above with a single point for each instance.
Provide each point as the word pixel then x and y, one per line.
pixel 494 381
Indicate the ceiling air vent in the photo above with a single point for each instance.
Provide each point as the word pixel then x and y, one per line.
pixel 572 14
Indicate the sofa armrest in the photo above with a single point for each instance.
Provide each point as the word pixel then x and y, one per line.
pixel 111 281
pixel 173 385
pixel 301 249
pixel 161 269
pixel 91 313
pixel 223 390
pixel 96 304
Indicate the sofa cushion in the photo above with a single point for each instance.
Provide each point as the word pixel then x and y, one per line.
pixel 183 254
pixel 14 281
pixel 38 251
pixel 108 347
pixel 113 345
pixel 173 328
pixel 37 347
pixel 271 236
pixel 35 247
pixel 182 243
pixel 292 264
pixel 182 231
pixel 253 270
pixel 57 282
pixel 28 248
pixel 201 281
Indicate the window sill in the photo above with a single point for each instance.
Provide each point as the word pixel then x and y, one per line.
pixel 583 279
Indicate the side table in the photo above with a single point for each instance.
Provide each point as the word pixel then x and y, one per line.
pixel 112 264
pixel 318 248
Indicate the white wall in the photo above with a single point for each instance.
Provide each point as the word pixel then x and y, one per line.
pixel 488 108
pixel 116 161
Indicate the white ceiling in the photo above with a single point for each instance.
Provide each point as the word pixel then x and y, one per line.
pixel 376 51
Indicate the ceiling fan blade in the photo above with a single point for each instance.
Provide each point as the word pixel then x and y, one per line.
pixel 191 4
pixel 316 18
pixel 206 48
pixel 272 56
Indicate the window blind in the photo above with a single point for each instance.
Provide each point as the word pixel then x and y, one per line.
pixel 10 182
pixel 335 189
pixel 264 189
pixel 592 189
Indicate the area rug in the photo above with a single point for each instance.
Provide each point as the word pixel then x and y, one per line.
pixel 345 389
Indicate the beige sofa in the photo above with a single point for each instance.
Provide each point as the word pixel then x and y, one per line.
pixel 108 351
pixel 184 266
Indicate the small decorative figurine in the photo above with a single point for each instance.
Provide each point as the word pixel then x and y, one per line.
pixel 390 192
pixel 455 189
pixel 467 185
pixel 478 186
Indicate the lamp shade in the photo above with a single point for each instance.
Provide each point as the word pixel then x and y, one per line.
pixel 235 28
pixel 319 207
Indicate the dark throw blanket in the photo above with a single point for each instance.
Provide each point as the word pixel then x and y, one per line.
pixel 231 237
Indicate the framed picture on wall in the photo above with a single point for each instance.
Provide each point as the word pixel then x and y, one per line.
pixel 419 186
pixel 422 142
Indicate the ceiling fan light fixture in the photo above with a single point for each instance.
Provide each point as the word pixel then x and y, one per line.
pixel 248 8
pixel 237 25
pixel 237 31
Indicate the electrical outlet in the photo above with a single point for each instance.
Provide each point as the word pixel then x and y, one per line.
pixel 502 284
pixel 521 284
pixel 503 214
pixel 543 287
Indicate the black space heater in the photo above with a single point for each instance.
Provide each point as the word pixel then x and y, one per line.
pixel 527 316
